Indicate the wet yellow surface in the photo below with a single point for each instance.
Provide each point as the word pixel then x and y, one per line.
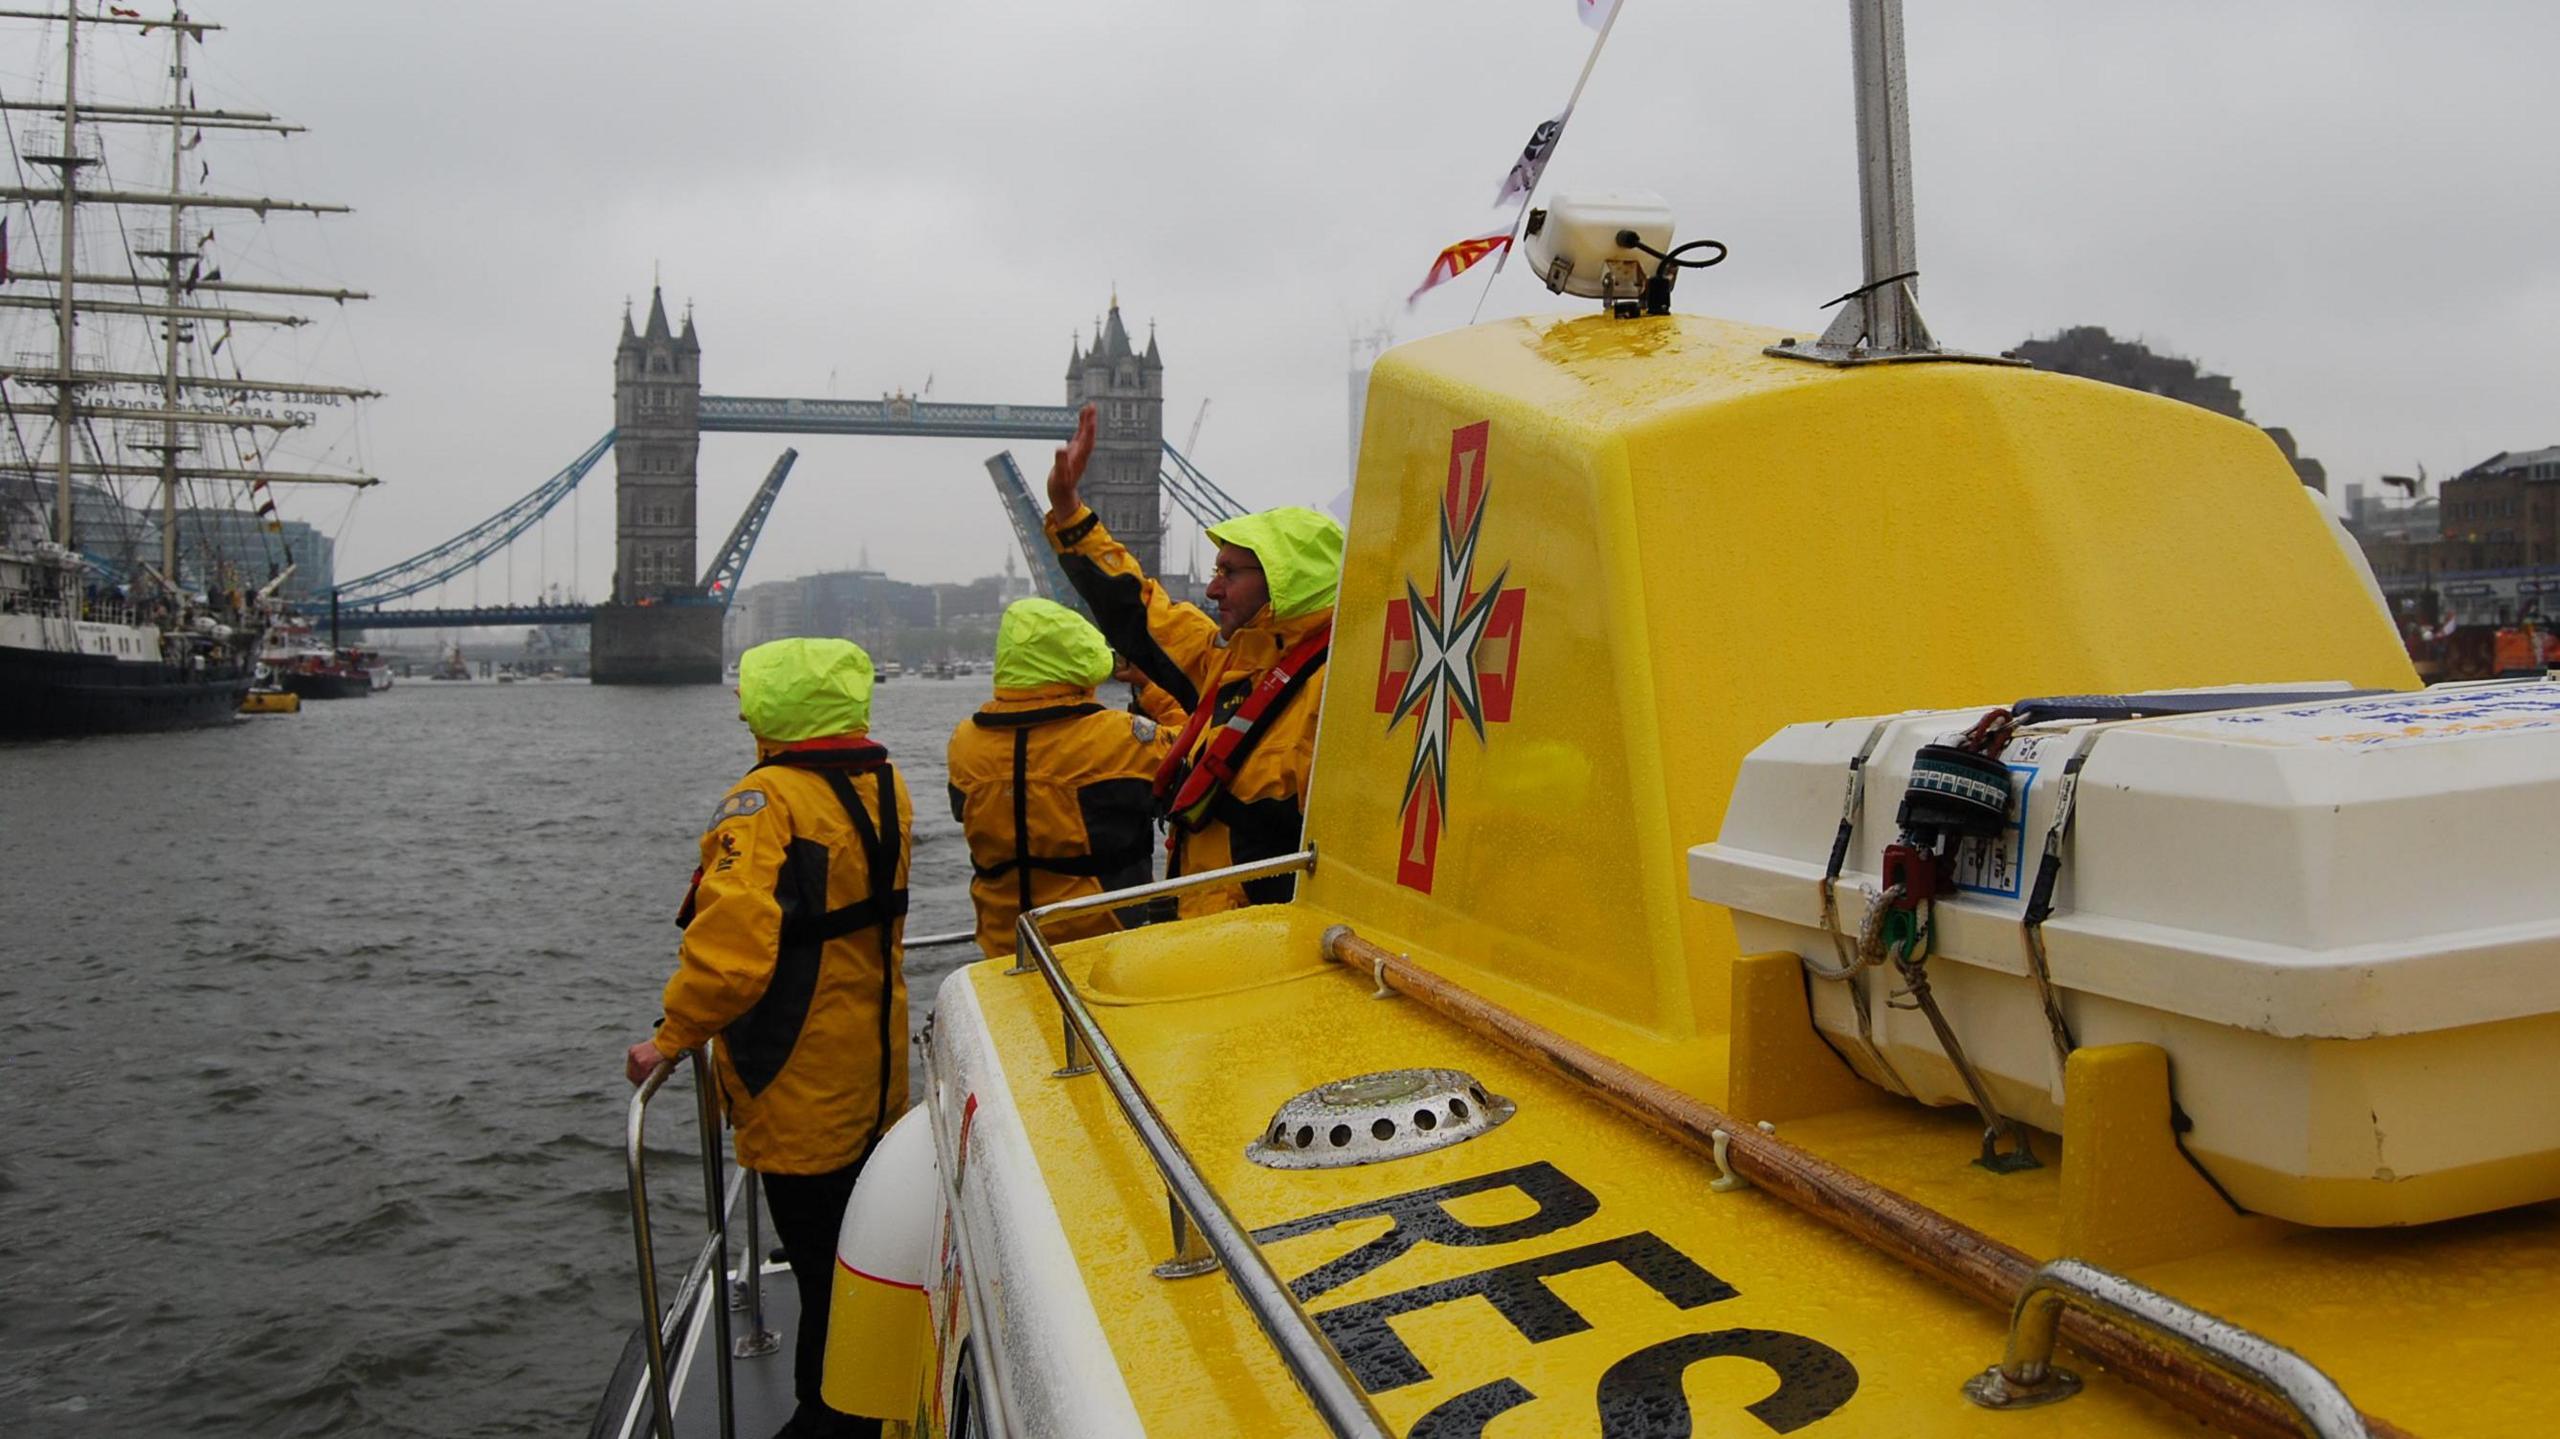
pixel 1591 565
pixel 1865 1346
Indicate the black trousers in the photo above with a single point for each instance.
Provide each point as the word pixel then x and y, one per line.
pixel 807 1211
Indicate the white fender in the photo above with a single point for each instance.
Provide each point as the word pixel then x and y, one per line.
pixel 878 1324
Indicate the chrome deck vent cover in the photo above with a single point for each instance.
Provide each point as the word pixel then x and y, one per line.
pixel 1371 1118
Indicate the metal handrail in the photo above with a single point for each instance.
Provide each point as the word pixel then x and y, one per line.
pixel 938 941
pixel 712 1264
pixel 747 1291
pixel 1200 1215
pixel 715 1250
pixel 2027 1374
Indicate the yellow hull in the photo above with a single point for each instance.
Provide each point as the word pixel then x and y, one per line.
pixel 1706 543
pixel 270 702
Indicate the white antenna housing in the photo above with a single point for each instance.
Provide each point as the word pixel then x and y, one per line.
pixel 1574 244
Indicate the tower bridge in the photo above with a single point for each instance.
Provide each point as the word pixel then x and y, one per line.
pixel 662 622
pixel 654 631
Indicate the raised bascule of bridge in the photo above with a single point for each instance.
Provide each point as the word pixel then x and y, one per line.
pixel 662 623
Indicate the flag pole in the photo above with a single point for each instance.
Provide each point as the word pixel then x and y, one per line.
pixel 1571 102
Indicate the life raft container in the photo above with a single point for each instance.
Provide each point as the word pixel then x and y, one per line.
pixel 2338 916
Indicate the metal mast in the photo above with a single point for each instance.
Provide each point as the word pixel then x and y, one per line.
pixel 1880 320
pixel 173 425
pixel 62 398
pixel 1886 310
pixel 172 327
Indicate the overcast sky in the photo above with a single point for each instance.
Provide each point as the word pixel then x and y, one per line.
pixel 2349 208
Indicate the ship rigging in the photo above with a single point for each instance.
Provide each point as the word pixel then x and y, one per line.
pixel 135 396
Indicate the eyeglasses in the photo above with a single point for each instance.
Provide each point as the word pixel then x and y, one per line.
pixel 1224 571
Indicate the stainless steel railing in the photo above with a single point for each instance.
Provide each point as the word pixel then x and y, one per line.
pixel 2026 1374
pixel 711 1266
pixel 1206 1234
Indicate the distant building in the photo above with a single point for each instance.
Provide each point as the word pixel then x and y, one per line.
pixel 2399 542
pixel 2485 550
pixel 2504 513
pixel 891 618
pixel 217 548
pixel 1128 388
pixel 2089 352
pixel 106 528
pixel 221 549
pixel 769 611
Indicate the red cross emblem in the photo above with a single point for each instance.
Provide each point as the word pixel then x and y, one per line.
pixel 1455 652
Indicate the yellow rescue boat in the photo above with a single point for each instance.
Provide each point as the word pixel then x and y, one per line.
pixel 270 702
pixel 1501 1127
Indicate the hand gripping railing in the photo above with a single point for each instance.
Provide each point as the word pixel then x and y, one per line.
pixel 710 1267
pixel 2027 1375
pixel 1205 1232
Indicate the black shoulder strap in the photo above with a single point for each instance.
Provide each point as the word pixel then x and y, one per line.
pixel 1015 719
pixel 1024 862
pixel 1022 820
pixel 887 904
pixel 888 898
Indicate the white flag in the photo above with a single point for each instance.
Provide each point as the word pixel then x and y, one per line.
pixel 1595 13
pixel 1532 162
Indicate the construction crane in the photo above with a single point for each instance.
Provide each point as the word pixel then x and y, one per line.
pixel 1192 445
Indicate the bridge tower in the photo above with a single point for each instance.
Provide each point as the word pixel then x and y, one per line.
pixel 657 629
pixel 1128 387
pixel 657 389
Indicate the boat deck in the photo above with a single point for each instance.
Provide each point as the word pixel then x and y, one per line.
pixel 760 1385
pixel 1572 1257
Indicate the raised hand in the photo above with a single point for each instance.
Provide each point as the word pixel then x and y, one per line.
pixel 1067 470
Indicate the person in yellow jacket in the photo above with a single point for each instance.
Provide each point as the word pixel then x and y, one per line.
pixel 1251 678
pixel 1053 790
pixel 790 958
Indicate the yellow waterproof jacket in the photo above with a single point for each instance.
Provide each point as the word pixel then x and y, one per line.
pixel 791 956
pixel 1263 811
pixel 1054 792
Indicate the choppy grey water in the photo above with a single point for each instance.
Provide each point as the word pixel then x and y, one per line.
pixel 311 1031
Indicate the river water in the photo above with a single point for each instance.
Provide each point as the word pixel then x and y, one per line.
pixel 312 1034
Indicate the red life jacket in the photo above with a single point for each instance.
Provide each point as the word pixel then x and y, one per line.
pixel 1187 788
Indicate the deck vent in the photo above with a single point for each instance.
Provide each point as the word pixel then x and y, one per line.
pixel 1371 1118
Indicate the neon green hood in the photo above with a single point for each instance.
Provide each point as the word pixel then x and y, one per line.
pixel 1039 642
pixel 1301 554
pixel 804 689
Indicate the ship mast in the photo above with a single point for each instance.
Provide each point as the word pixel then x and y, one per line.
pixel 172 327
pixel 181 415
pixel 62 391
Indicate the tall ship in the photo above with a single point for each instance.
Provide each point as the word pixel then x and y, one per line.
pixel 142 551
pixel 1849 888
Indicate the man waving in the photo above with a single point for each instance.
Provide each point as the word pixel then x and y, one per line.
pixel 1234 789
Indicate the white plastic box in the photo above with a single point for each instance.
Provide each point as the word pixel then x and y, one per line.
pixel 2340 918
